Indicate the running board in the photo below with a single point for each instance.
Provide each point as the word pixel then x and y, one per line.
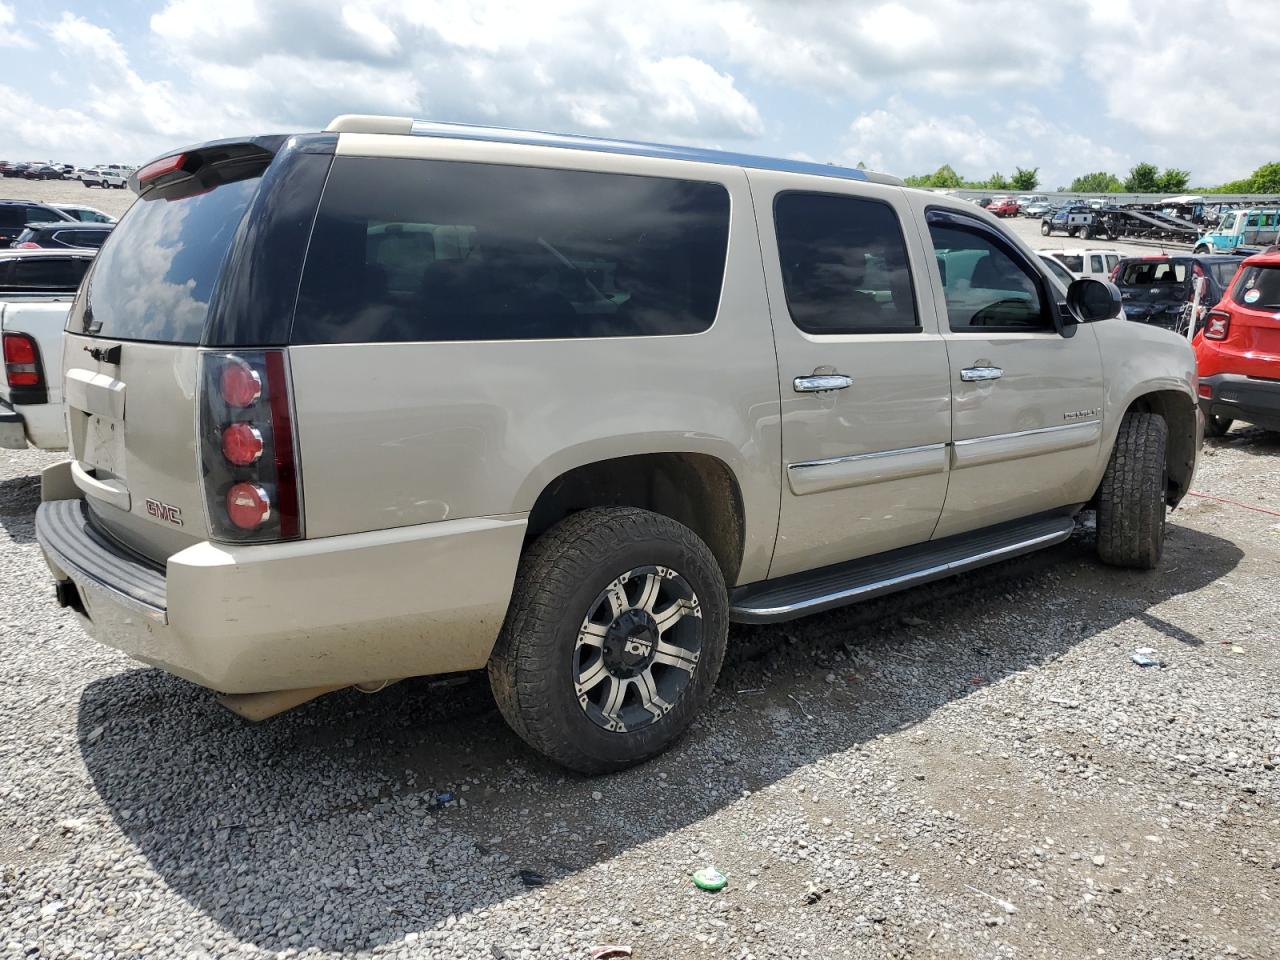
pixel 813 591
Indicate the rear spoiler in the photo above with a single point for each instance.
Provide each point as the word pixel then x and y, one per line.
pixel 201 168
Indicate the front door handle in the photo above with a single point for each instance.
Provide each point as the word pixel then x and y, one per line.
pixel 821 383
pixel 978 374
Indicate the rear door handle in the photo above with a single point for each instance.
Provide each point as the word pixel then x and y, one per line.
pixel 821 383
pixel 977 374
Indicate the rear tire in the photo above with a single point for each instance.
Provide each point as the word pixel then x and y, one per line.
pixel 1217 426
pixel 1131 500
pixel 613 639
pixel 1086 233
pixel 1200 250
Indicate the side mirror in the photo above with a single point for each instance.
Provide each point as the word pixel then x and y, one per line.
pixel 1089 300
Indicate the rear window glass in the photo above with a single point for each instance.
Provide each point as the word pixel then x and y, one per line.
pixel 1223 271
pixel 1148 272
pixel 53 274
pixel 1259 288
pixel 154 279
pixel 844 265
pixel 415 250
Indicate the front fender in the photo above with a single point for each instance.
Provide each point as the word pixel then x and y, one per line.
pixel 1146 367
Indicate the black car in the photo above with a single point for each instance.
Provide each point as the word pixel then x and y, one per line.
pixel 13 169
pixel 63 235
pixel 42 272
pixel 16 214
pixel 43 171
pixel 1158 290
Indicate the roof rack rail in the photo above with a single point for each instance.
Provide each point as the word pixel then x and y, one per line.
pixel 405 126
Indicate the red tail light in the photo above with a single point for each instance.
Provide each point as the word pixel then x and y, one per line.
pixel 26 245
pixel 1217 325
pixel 242 444
pixel 247 450
pixel 160 167
pixel 22 366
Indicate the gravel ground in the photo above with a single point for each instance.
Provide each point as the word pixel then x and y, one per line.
pixel 972 769
pixel 112 201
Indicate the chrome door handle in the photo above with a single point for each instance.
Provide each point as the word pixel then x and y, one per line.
pixel 976 374
pixel 821 383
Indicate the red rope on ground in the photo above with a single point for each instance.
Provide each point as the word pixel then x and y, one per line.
pixel 1234 503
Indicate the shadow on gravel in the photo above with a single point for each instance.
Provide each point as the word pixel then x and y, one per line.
pixel 19 498
pixel 323 828
pixel 1249 439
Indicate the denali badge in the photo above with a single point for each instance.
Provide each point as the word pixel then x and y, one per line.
pixel 1079 414
pixel 162 511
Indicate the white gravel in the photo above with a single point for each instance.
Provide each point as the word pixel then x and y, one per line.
pixel 974 769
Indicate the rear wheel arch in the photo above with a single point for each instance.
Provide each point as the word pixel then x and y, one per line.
pixel 697 490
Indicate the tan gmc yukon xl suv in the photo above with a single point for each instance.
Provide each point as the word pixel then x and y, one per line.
pixel 405 398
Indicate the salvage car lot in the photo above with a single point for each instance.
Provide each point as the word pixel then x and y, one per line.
pixel 971 769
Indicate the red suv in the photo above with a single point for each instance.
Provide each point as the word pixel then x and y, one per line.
pixel 1238 349
pixel 1004 207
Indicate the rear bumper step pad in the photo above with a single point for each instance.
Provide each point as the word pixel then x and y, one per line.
pixel 65 534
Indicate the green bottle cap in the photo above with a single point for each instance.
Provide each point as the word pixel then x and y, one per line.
pixel 709 878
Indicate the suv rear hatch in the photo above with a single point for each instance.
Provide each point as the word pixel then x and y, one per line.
pixel 207 257
pixel 1253 339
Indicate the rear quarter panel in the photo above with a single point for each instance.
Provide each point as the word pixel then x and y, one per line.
pixel 392 434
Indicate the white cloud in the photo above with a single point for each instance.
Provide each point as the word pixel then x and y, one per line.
pixel 903 84
pixel 904 140
pixel 10 35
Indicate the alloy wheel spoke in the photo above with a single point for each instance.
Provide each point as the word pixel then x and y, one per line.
pixel 650 699
pixel 670 616
pixel 649 592
pixel 590 677
pixel 592 635
pixel 617 598
pixel 612 705
pixel 670 655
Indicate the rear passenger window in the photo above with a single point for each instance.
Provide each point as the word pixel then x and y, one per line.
pixel 419 250
pixel 1095 263
pixel 986 287
pixel 844 265
pixel 53 274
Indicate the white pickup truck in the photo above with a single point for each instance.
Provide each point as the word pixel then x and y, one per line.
pixel 31 400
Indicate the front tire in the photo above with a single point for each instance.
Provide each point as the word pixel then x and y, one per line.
pixel 613 639
pixel 1200 250
pixel 1131 500
pixel 1045 229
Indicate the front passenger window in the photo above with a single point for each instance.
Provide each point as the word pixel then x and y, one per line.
pixel 986 288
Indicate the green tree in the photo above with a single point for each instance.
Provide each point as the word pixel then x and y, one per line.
pixel 1143 178
pixel 1266 179
pixel 1100 182
pixel 996 181
pixel 946 177
pixel 1025 180
pixel 1174 180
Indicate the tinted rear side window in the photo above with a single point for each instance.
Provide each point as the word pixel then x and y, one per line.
pixel 844 265
pixel 1259 288
pixel 55 274
pixel 154 279
pixel 416 250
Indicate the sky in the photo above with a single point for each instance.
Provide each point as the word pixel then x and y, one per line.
pixel 1069 86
